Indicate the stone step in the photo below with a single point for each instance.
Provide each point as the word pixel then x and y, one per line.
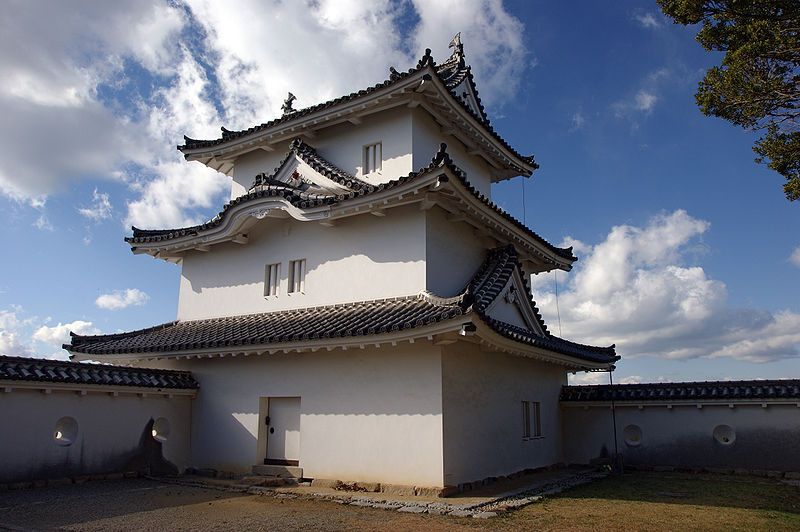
pixel 278 471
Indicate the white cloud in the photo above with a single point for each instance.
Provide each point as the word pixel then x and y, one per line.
pixel 636 289
pixel 100 209
pixel 59 334
pixel 49 98
pixel 644 101
pixel 794 258
pixel 120 299
pixel 42 223
pixel 11 343
pixel 647 20
pixel 577 121
pixel 588 377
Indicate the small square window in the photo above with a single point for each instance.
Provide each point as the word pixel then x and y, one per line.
pixel 531 419
pixel 297 276
pixel 373 158
pixel 272 276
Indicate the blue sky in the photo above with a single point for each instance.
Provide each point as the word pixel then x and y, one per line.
pixel 685 243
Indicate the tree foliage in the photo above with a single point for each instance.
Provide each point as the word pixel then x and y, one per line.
pixel 757 86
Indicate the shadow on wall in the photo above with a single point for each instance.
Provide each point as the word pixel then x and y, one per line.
pixel 147 457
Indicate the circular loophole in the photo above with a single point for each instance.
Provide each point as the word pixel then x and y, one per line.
pixel 66 431
pixel 724 434
pixel 632 435
pixel 161 429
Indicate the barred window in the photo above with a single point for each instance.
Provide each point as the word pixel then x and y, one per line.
pixel 272 276
pixel 297 276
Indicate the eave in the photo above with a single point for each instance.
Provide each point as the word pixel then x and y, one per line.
pixel 439 334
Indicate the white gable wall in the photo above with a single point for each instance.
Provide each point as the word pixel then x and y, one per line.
pixel 361 258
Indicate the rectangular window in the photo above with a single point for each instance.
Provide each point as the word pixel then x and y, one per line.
pixel 531 419
pixel 373 158
pixel 272 275
pixel 297 276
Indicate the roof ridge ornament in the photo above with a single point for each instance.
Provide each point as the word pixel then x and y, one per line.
pixel 458 49
pixel 287 105
pixel 426 60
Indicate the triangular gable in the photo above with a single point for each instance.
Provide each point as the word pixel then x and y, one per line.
pixel 467 92
pixel 512 306
pixel 297 173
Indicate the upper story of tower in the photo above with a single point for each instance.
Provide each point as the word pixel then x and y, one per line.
pixel 378 134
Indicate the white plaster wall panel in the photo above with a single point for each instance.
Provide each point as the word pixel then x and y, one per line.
pixel 482 396
pixel 343 144
pixel 765 438
pixel 427 136
pixel 453 254
pixel 371 415
pixel 361 258
pixel 109 437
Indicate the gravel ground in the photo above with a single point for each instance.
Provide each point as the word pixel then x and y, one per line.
pixel 143 505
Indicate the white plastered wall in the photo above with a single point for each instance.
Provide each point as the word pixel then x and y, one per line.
pixel 482 394
pixel 453 254
pixel 110 430
pixel 682 436
pixel 371 415
pixel 361 258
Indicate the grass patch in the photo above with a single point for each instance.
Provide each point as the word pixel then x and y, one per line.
pixel 646 501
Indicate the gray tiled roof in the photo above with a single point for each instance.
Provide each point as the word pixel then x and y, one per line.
pixel 685 391
pixel 316 323
pixel 341 321
pixel 57 371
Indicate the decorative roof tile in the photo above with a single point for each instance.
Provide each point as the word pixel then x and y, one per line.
pixel 684 391
pixel 57 371
pixel 342 321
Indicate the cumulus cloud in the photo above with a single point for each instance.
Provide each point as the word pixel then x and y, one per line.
pixel 11 342
pixel 637 288
pixel 59 334
pixel 100 209
pixel 120 299
pixel 794 258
